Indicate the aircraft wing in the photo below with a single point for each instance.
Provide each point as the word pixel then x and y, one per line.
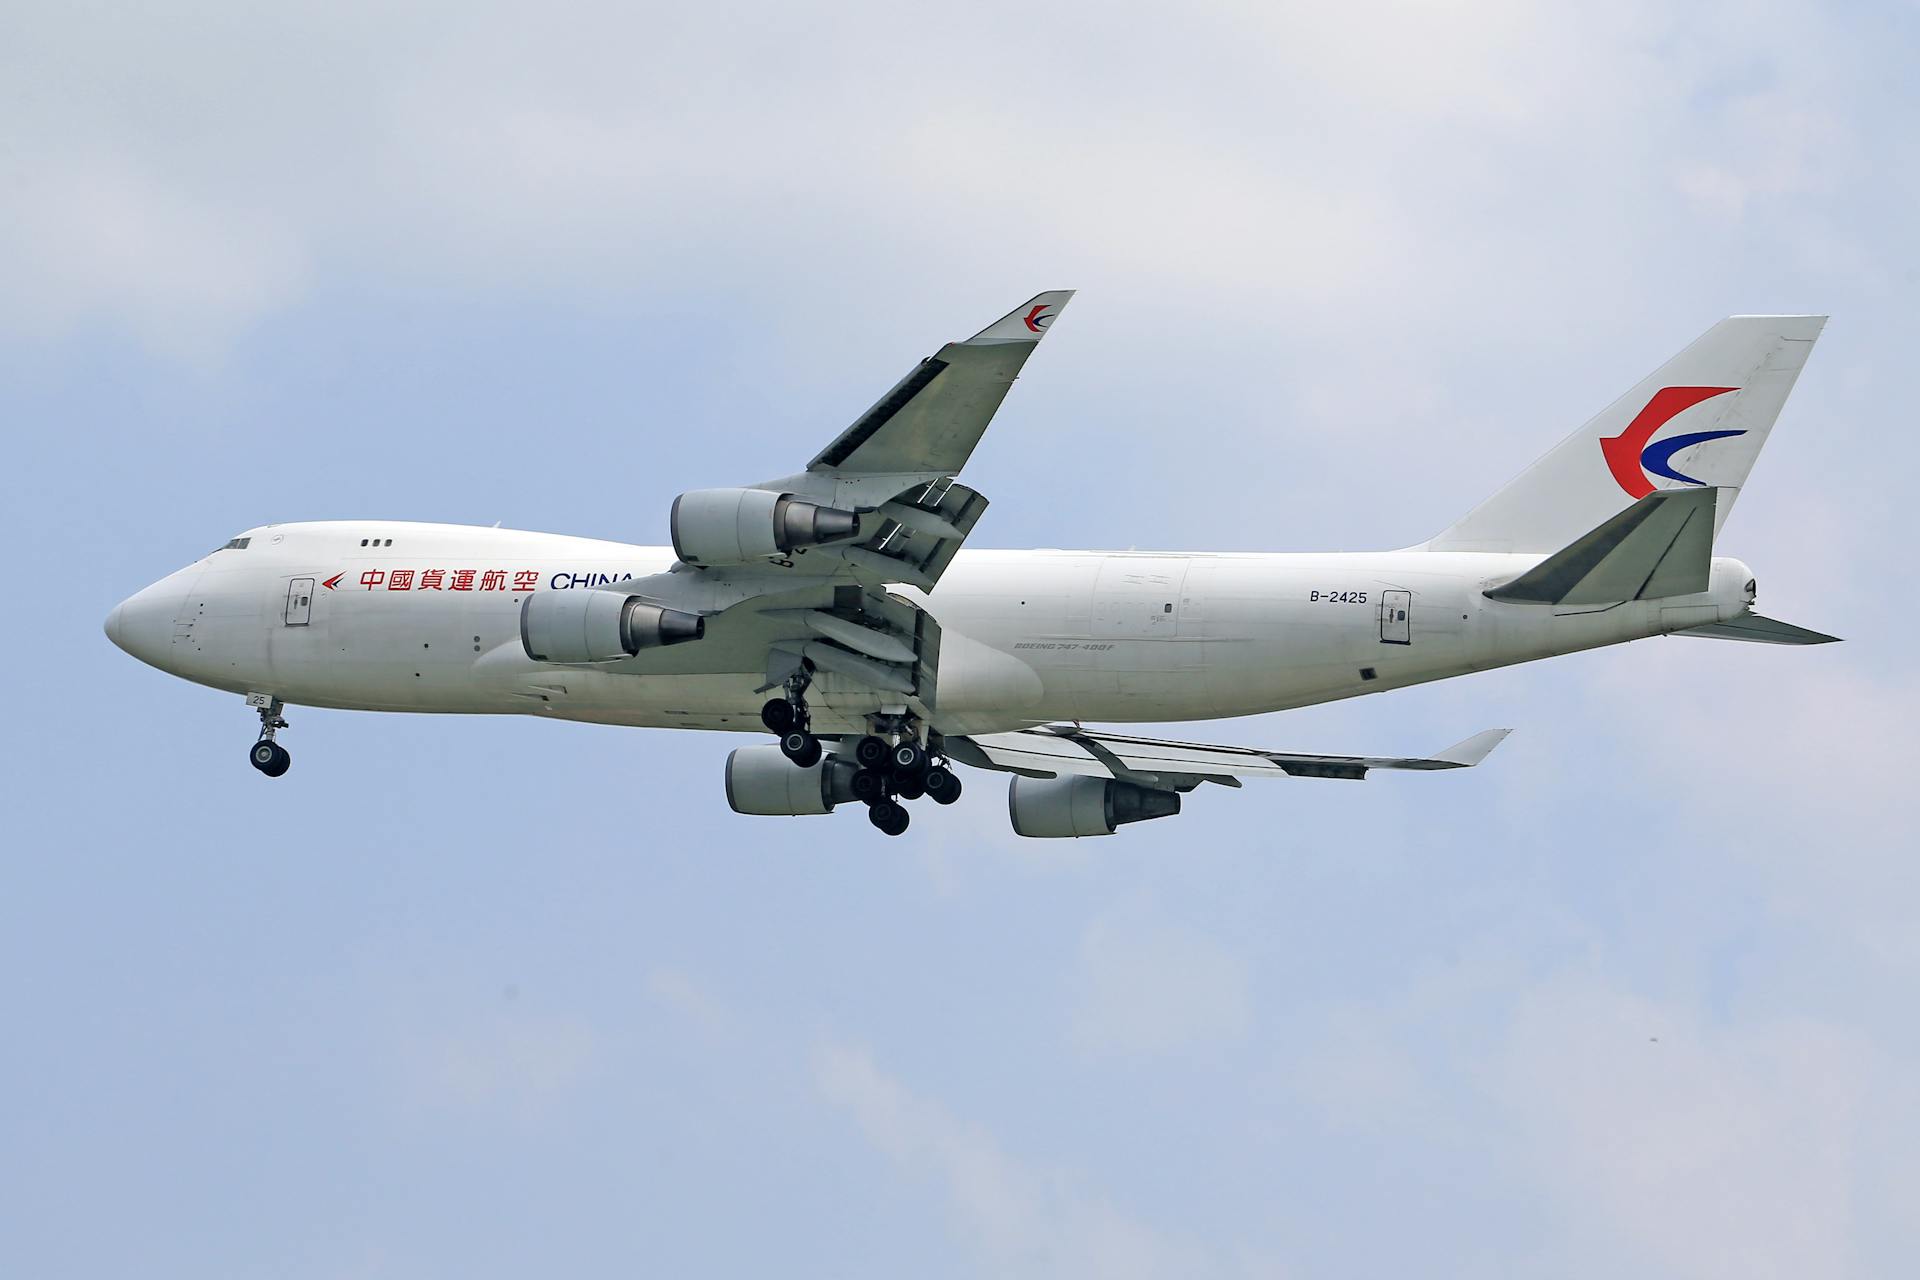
pixel 898 515
pixel 897 463
pixel 933 417
pixel 1052 750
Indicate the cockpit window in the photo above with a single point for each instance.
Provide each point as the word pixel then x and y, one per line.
pixel 237 544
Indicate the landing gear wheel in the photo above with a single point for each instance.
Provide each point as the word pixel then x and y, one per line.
pixel 779 716
pixel 910 788
pixel 800 747
pixel 869 786
pixel 870 752
pixel 266 755
pixel 908 760
pixel 270 758
pixel 889 817
pixel 942 784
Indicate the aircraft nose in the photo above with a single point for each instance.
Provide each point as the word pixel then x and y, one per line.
pixel 142 624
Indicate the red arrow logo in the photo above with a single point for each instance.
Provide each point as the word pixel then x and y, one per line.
pixel 1037 319
pixel 333 582
pixel 1622 452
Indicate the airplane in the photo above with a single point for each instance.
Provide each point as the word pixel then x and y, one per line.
pixel 838 610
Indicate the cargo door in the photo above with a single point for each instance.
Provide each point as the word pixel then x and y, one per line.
pixel 1396 617
pixel 299 602
pixel 1138 597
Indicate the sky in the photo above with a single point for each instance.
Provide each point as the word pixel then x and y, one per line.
pixel 490 997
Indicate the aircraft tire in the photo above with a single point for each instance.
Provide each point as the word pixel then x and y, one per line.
pixel 800 747
pixel 943 784
pixel 870 752
pixel 270 758
pixel 908 760
pixel 778 716
pixel 888 817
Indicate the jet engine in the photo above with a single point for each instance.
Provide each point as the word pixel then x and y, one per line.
pixel 734 526
pixel 762 781
pixel 1079 806
pixel 599 626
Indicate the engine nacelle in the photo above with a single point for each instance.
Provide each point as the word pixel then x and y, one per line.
pixel 1071 805
pixel 763 782
pixel 734 526
pixel 599 626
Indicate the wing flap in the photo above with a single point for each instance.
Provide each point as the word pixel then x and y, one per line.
pixel 919 534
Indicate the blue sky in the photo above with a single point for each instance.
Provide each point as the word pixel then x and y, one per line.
pixel 491 997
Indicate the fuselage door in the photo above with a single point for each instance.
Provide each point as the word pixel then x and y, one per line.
pixel 1138 597
pixel 1396 617
pixel 299 602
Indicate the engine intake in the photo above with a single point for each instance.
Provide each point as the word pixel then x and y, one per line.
pixel 763 782
pixel 599 626
pixel 734 526
pixel 1051 808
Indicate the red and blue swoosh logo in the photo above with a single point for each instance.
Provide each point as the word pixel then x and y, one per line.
pixel 1634 456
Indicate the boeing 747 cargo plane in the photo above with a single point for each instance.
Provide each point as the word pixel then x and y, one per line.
pixel 837 609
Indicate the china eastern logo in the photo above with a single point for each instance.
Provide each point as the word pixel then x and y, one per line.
pixel 1634 456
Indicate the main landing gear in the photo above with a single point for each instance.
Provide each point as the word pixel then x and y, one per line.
pixel 892 772
pixel 888 771
pixel 787 717
pixel 266 755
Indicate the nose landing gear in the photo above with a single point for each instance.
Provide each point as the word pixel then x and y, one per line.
pixel 266 755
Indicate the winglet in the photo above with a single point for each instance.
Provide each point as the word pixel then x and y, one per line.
pixel 1466 754
pixel 1027 322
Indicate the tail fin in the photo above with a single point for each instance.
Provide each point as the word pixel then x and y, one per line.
pixel 1699 420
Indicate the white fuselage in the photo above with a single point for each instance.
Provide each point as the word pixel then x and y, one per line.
pixel 389 616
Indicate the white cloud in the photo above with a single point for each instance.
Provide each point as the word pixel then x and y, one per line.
pixel 1245 156
pixel 97 236
pixel 1022 1221
pixel 1673 1145
pixel 679 991
pixel 1630 1133
pixel 1146 986
pixel 510 1063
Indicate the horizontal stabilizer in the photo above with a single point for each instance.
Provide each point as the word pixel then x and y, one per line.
pixel 1660 546
pixel 1758 630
